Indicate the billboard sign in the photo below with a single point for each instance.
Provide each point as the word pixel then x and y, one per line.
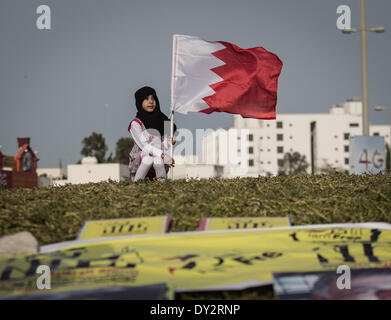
pixel 367 155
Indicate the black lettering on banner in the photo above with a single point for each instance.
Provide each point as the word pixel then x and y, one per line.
pixel 59 257
pixel 220 262
pixel 34 264
pixel 368 251
pixel 375 233
pixel 54 264
pixel 183 258
pixel 119 228
pixel 190 265
pixel 6 273
pixel 344 250
pixel 272 254
pixel 83 264
pixel 245 225
pixel 247 261
pixel 322 259
pixel 75 252
pixel 264 256
pixel 293 235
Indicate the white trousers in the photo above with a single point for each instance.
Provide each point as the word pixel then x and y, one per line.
pixel 146 163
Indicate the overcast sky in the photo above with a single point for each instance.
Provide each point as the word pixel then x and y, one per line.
pixel 54 84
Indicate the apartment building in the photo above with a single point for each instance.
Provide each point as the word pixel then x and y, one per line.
pixel 322 138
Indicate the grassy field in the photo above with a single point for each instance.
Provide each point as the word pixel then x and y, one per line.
pixel 57 214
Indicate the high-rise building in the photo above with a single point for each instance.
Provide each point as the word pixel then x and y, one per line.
pixel 322 138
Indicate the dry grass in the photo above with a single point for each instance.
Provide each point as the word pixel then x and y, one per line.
pixel 57 214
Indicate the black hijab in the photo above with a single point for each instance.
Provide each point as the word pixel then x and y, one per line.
pixel 151 120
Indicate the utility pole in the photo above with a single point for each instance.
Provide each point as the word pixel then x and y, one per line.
pixel 364 68
pixel 364 63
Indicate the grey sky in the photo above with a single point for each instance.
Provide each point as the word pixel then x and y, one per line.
pixel 54 84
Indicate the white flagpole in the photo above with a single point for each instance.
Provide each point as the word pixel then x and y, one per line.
pixel 173 76
pixel 172 136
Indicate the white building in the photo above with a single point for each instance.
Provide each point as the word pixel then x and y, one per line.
pixel 188 167
pixel 322 138
pixel 91 171
pixel 52 173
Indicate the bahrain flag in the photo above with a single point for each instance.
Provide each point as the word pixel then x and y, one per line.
pixel 222 77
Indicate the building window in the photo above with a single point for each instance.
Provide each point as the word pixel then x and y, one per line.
pixel 346 136
pixel 268 162
pixel 353 125
pixel 346 148
pixel 280 149
pixel 251 163
pixel 261 150
pixel 280 162
pixel 250 150
pixel 290 124
pixel 291 137
pixel 268 150
pixel 279 124
pixel 250 137
pixel 376 133
pixel 268 137
pixel 346 160
pixel 336 149
pixel 280 137
pixel 261 138
pixel 336 137
pixel 268 125
pixel 336 161
pixel 261 162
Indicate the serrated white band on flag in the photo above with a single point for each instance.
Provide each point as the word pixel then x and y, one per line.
pixel 191 72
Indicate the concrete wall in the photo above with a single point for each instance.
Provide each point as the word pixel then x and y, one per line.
pixel 86 173
pixel 54 173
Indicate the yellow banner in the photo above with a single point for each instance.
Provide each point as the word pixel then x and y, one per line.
pixel 124 227
pixel 88 283
pixel 195 261
pixel 208 224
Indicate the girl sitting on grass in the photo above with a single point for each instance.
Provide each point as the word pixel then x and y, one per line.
pixel 147 130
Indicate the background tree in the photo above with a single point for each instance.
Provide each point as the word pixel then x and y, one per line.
pixel 8 161
pixel 124 145
pixel 94 146
pixel 293 164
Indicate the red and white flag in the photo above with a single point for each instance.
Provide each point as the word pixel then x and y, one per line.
pixel 220 76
